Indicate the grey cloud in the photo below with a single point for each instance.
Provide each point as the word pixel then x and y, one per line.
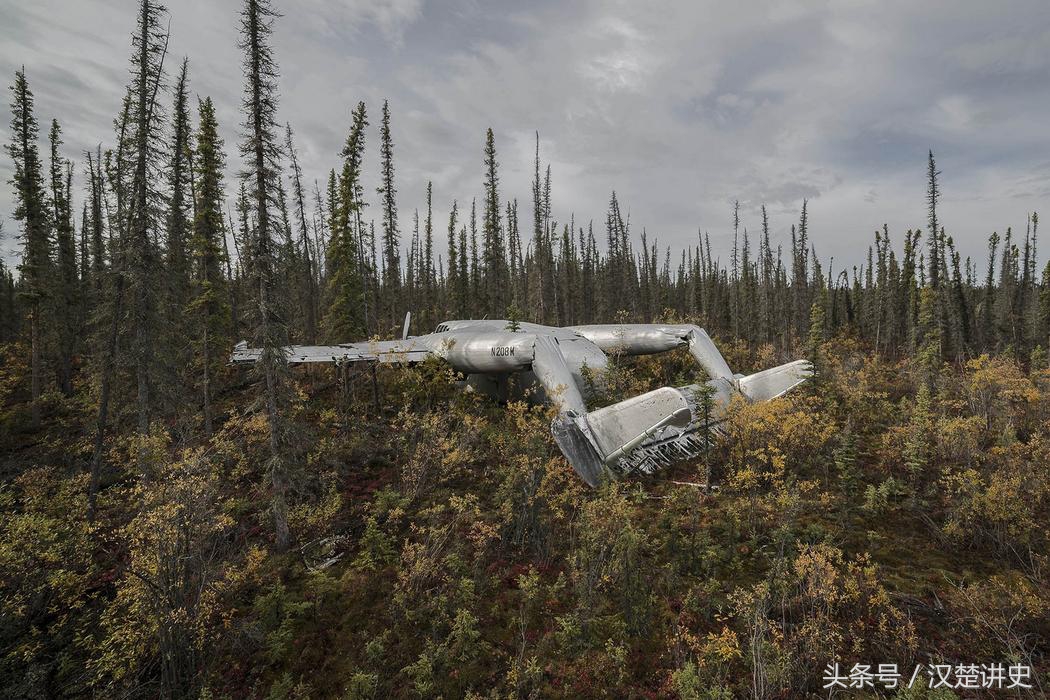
pixel 682 108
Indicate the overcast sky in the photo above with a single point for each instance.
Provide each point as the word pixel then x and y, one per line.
pixel 680 107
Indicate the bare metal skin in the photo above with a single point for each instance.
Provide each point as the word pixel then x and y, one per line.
pixel 639 434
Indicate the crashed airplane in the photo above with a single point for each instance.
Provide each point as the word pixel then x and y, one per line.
pixel 640 434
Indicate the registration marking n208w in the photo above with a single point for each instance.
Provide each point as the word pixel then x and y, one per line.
pixel 503 351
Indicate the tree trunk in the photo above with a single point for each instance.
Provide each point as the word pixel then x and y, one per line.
pixel 207 378
pixel 109 363
pixel 34 332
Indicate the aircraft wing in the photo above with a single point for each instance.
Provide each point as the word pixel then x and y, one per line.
pixel 392 351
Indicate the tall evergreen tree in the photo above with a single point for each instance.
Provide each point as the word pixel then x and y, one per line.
pixel 391 235
pixel 1006 295
pixel 475 266
pixel 209 299
pixel 495 260
pixel 31 212
pixel 261 152
pixel 364 237
pixel 540 289
pixel 933 194
pixel 454 280
pixel 427 253
pixel 465 282
pixel 345 298
pixel 145 208
pixel 988 300
pixel 177 357
pixel 83 262
pixel 961 303
pixel 98 224
pixel 307 280
pixel 179 202
pixel 116 167
pixel 244 246
pixel 65 287
pixel 331 210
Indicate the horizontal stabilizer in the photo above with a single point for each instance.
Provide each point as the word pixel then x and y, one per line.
pixel 639 434
pixel 777 381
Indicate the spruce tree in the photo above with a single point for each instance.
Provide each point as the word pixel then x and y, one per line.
pixel 261 152
pixel 175 291
pixel 345 298
pixel 933 193
pixel 766 279
pixel 31 212
pixel 244 247
pixel 961 303
pixel 366 267
pixel 988 302
pixel 289 265
pixel 331 210
pixel 64 294
pixel 307 281
pixel 538 292
pixel 98 224
pixel 179 202
pixel 427 258
pixel 465 297
pixel 930 339
pixel 800 269
pixel 83 265
pixel 475 267
pixel 411 266
pixel 111 312
pixel 1006 295
pixel 391 235
pixel 145 208
pixel 453 280
pixel 493 254
pixel 209 296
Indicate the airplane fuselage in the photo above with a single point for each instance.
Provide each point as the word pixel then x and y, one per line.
pixel 640 433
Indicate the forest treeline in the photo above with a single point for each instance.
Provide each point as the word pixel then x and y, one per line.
pixel 156 233
pixel 138 454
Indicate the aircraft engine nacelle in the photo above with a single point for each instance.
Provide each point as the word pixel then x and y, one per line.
pixel 488 351
pixel 632 338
